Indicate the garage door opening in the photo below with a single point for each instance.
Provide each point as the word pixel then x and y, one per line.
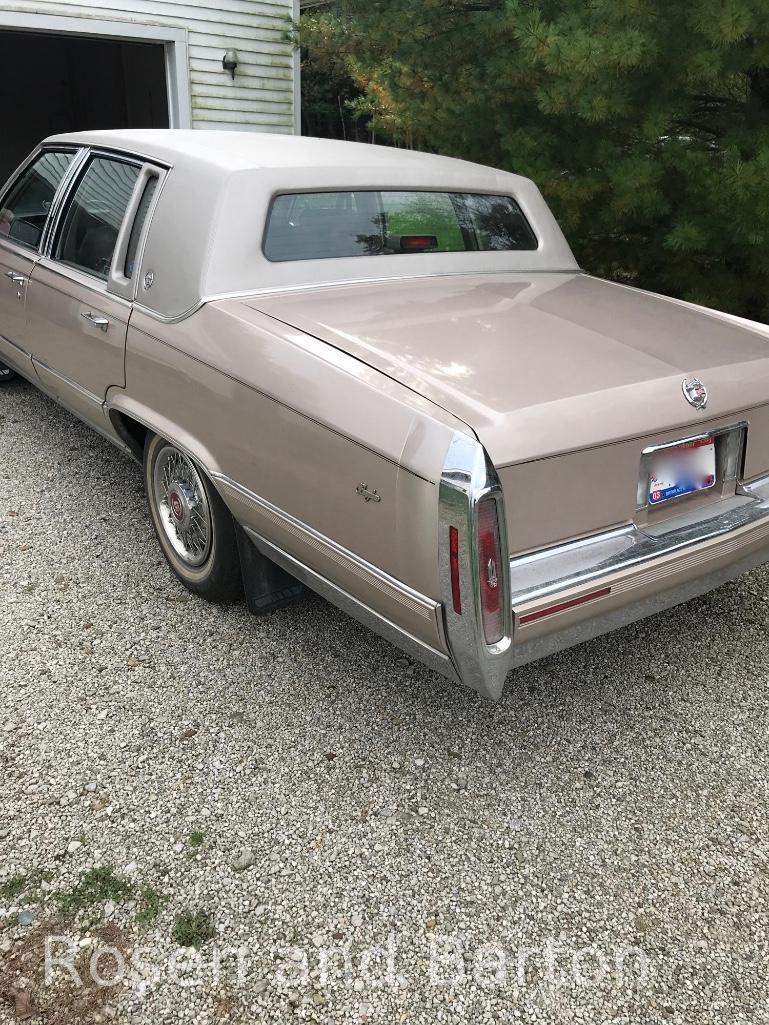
pixel 62 83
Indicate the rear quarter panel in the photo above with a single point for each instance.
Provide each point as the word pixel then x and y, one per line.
pixel 300 425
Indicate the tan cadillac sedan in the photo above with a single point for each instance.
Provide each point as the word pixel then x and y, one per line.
pixel 382 375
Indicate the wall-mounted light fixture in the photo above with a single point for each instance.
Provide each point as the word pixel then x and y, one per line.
pixel 230 62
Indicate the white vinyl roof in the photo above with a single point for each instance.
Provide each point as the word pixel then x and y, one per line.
pixel 206 234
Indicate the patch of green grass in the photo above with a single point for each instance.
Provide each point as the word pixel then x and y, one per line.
pixel 193 928
pixel 93 887
pixel 29 885
pixel 151 903
pixel 196 838
pixel 13 887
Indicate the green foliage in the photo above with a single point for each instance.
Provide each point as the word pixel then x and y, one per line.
pixel 13 887
pixel 93 887
pixel 151 901
pixel 645 124
pixel 193 929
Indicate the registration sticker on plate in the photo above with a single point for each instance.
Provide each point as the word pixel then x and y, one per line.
pixel 682 469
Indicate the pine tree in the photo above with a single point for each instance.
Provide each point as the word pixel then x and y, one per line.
pixel 644 122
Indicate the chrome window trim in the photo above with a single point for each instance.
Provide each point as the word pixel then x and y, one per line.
pixel 160 173
pixel 88 154
pixel 430 190
pixel 22 169
pixel 98 285
pixel 15 175
pixel 62 192
pixel 469 476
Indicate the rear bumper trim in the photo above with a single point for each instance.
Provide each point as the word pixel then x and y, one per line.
pixel 607 581
pixel 603 622
pixel 740 520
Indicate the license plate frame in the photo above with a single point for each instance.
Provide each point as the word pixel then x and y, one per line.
pixel 730 443
pixel 680 470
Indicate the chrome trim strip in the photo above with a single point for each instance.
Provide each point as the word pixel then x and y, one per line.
pixel 137 276
pixel 332 283
pixel 6 186
pixel 97 285
pixel 468 476
pixel 35 251
pixel 95 426
pixel 601 623
pixel 87 395
pixel 342 557
pixel 581 563
pixel 14 345
pixel 62 194
pixel 393 633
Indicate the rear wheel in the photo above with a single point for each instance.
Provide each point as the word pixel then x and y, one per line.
pixel 6 374
pixel 193 525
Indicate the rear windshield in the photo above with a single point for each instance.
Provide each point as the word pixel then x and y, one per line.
pixel 328 225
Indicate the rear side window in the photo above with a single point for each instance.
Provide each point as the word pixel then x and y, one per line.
pixel 25 209
pixel 95 214
pixel 327 225
pixel 138 226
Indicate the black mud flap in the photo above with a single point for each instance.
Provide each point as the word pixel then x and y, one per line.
pixel 266 585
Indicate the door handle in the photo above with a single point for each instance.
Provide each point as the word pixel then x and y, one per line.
pixel 16 279
pixel 101 322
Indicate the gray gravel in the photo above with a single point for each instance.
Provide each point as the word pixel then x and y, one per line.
pixel 370 843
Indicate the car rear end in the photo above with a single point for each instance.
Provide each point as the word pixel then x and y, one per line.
pixel 545 554
pixel 616 442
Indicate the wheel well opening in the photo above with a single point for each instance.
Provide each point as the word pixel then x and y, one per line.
pixel 131 431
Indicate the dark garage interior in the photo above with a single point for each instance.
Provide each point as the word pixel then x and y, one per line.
pixel 61 83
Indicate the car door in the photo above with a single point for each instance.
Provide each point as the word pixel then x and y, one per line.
pixel 25 214
pixel 80 291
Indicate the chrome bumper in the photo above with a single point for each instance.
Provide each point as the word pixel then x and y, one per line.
pixel 571 593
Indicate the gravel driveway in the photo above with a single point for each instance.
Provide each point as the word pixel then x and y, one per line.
pixel 266 820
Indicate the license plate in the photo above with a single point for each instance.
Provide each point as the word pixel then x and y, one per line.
pixel 682 470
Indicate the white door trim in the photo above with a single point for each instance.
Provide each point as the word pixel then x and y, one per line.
pixel 174 41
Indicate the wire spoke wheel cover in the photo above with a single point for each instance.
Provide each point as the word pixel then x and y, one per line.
pixel 182 506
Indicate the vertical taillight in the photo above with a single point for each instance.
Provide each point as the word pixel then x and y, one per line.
pixel 456 593
pixel 490 571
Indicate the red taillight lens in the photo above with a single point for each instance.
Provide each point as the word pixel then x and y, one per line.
pixel 456 594
pixel 490 571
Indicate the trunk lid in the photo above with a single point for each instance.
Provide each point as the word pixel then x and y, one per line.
pixel 539 364
pixel 564 378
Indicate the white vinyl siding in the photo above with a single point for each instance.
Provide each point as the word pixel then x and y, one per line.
pixel 261 97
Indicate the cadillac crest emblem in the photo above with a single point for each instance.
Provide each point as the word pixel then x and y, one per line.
pixel 695 392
